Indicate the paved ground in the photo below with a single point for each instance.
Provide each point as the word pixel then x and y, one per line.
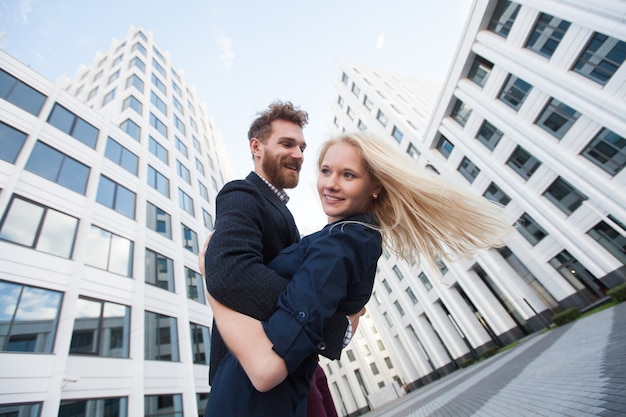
pixel 576 370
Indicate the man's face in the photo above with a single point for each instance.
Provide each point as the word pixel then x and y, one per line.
pixel 280 157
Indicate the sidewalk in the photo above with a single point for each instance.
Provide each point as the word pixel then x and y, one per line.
pixel 576 370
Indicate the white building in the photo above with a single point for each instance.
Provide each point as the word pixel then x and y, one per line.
pixel 107 188
pixel 532 115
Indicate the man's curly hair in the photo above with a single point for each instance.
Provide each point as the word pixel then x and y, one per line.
pixel 261 127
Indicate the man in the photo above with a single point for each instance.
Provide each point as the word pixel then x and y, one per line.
pixel 253 225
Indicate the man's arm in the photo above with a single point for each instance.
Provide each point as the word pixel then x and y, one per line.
pixel 236 275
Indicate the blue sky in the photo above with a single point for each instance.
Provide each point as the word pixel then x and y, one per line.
pixel 241 55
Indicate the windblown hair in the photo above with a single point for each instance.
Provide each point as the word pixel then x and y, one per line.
pixel 419 214
pixel 261 126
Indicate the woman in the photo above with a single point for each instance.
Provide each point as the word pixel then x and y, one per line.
pixel 372 194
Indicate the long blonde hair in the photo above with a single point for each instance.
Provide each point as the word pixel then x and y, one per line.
pixel 420 214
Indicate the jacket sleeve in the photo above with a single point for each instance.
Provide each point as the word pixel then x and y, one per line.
pixel 337 260
pixel 236 275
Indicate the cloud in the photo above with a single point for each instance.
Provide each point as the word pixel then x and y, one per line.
pixel 23 10
pixel 380 41
pixel 226 55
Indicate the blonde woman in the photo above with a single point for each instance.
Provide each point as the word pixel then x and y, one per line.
pixel 373 195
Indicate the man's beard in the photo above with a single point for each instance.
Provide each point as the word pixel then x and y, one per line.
pixel 275 170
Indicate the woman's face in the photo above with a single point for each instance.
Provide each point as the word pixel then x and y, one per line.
pixel 344 185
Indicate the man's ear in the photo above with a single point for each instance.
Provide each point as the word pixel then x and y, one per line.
pixel 256 147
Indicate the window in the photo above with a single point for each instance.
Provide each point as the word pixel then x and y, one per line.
pixel 607 150
pixel 425 281
pixel 158 103
pixel 399 307
pixel 135 81
pixel 185 202
pixel 133 103
pixel 489 135
pixel 24 409
pixel 441 265
pixel 121 156
pixel 177 105
pixel 113 77
pixel 388 362
pixel 11 142
pixel 374 368
pixel 92 93
pixel 179 125
pixel 30 318
pixel 136 62
pixel 361 125
pixel 20 94
pixel 158 181
pixel 444 146
pixel 480 70
pixel 557 118
pixel 108 97
pixel 158 220
pixel 200 344
pixel 515 91
pixel 190 239
pixel 610 239
pixel 57 167
pixel 413 152
pixel 159 270
pixel 183 172
pixel 132 128
pixel 368 103
pixel 182 147
pixel 468 169
pixel 577 275
pixel 344 78
pixel 158 67
pixel 523 163
pixel 158 150
pixel 411 295
pixel 601 58
pixel 156 123
pixel 101 328
pixel 355 90
pixel 196 144
pixel 158 83
pixel 162 58
pixel 503 17
pixel 350 113
pixel 547 34
pixel 109 252
pixel 200 167
pixel 350 354
pixel 398 272
pixel 141 35
pixel 564 196
pixel 140 48
pixel 161 340
pixel 208 219
pixel 397 134
pixel 380 344
pixel 195 285
pixel 176 88
pixel 118 59
pixel 68 122
pixel 530 229
pixel 204 192
pixel 387 319
pixel 380 116
pixel 110 407
pixel 494 193
pixel 116 197
pixel 39 227
pixel 386 285
pixel 461 112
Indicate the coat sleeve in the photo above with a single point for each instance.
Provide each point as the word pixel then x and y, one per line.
pixel 236 275
pixel 337 260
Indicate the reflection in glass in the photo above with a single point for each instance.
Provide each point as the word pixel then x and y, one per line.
pixel 57 234
pixel 104 407
pixel 29 318
pixel 21 224
pixel 101 328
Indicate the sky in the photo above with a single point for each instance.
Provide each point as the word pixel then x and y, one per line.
pixel 242 55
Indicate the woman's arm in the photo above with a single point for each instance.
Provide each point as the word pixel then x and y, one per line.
pixel 245 338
